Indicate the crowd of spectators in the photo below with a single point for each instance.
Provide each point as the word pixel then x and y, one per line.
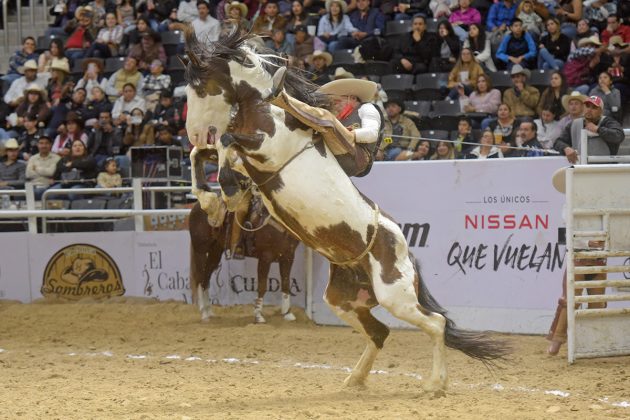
pixel 106 78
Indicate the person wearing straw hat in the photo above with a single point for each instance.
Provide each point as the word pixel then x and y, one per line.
pixel 579 66
pixel 60 83
pixel 15 94
pixel 320 63
pixel 522 98
pixel 614 27
pixel 12 171
pixel 236 12
pixel 82 33
pixel 353 133
pixel 403 128
pixel 34 104
pixel 341 73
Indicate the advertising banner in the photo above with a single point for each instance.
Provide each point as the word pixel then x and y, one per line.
pixel 485 233
pixel 14 267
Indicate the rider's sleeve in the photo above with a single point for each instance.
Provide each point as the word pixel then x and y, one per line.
pixel 370 124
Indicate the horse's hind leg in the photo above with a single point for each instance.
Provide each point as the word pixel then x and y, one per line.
pixel 351 302
pixel 285 263
pixel 264 262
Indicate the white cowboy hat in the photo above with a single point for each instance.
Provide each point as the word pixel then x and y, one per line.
pixel 342 3
pixel 323 54
pixel 518 69
pixel 83 9
pixel 60 64
pixel 11 144
pixel 237 4
pixel 574 95
pixel 362 89
pixel 558 180
pixel 29 65
pixel 341 73
pixel 593 39
pixel 617 40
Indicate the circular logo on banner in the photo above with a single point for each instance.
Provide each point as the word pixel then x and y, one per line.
pixel 82 270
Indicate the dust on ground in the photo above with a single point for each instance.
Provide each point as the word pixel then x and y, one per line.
pixel 140 359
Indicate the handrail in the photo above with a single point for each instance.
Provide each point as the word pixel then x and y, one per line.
pixel 32 10
pixel 19 21
pixel 9 214
pixel 5 22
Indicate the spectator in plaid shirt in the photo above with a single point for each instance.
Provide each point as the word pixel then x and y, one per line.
pixel 155 83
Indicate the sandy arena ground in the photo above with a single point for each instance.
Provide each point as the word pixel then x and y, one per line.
pixel 144 360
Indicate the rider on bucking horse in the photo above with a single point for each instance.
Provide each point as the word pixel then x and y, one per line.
pixel 352 135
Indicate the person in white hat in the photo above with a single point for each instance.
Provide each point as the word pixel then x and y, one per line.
pixel 12 171
pixel 352 133
pixel 319 70
pixel 15 94
pixel 578 69
pixel 522 98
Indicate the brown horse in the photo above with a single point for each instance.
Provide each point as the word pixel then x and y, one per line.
pixel 269 243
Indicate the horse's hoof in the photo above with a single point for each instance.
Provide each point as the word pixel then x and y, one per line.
pixel 435 388
pixel 354 382
pixel 289 317
pixel 206 315
pixel 259 319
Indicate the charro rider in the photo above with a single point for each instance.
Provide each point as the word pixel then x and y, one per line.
pixel 352 135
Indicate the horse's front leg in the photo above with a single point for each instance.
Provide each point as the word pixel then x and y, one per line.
pixel 264 262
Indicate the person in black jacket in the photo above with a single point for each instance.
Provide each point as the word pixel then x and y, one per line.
pixel 77 170
pixel 416 49
pixel 554 47
pixel 105 140
pixel 446 49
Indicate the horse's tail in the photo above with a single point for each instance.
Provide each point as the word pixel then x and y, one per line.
pixel 477 345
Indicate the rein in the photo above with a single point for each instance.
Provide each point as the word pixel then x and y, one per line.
pixel 308 145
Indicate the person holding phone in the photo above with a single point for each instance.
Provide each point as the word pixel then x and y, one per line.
pixel 126 103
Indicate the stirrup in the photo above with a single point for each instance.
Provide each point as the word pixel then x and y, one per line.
pixel 277 84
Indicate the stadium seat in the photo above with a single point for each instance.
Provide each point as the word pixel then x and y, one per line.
pixel 540 79
pixel 446 108
pixel 501 80
pixel 177 77
pixel 434 134
pixel 171 41
pixel 445 115
pixel 119 203
pixel 426 94
pixel 379 68
pixel 432 25
pixel 174 63
pixel 43 42
pixel 431 80
pixel 374 77
pixel 113 64
pixel 88 204
pixel 343 57
pixel 397 27
pixel 397 82
pixel 423 108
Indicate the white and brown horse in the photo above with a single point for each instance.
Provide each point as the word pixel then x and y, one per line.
pixel 305 189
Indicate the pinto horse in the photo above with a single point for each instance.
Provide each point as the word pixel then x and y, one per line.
pixel 209 238
pixel 306 190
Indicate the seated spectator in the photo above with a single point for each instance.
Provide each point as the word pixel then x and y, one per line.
pixel 76 169
pixel 41 166
pixel 463 137
pixel 105 140
pixel 334 25
pixel 462 80
pixel 137 132
pixel 35 105
pixel 447 47
pixel 55 52
pixel 416 49
pixel 19 59
pixel 29 138
pixel 207 28
pixel 319 70
pixel 134 36
pixel 444 151
pixel 303 48
pixel 129 74
pixel 279 43
pixel 126 103
pixel 422 152
pixel 486 148
pixel 503 127
pixel 82 33
pixel 532 22
pixel 187 11
pixel 69 132
pixel 12 171
pixel 149 49
pixel 60 82
pixel 368 21
pixel 298 17
pixel 72 104
pixel 155 83
pixel 573 105
pixel 15 94
pixel 554 47
pixel 164 136
pixel 480 46
pixel 484 99
pixel 401 130
pixel 597 12
pixel 92 76
pixel 618 66
pixel 569 12
pixel 609 94
pixel 109 178
pixel 517 47
pixel 527 139
pixel 167 113
pixel 551 97
pixel 99 103
pixel 583 31
pixel 463 17
pixel 235 15
pixel 270 19
pixel 500 16
pixel 99 12
pixel 522 98
pixel 579 67
pixel 108 39
pixel 126 15
pixel 614 27
pixel 547 128
pixel 442 8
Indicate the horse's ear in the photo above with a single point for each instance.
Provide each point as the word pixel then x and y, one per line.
pixel 183 59
pixel 194 59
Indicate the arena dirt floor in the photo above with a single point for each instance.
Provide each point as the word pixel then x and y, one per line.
pixel 138 359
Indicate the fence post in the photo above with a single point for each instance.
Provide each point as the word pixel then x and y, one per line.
pixel 570 267
pixel 308 271
pixel 30 205
pixel 136 183
pixel 583 147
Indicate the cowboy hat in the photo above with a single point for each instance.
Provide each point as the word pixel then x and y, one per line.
pixel 558 180
pixel 362 89
pixel 395 101
pixel 83 9
pixel 242 7
pixel 323 54
pixel 29 65
pixel 575 95
pixel 518 69
pixel 593 39
pixel 60 64
pixel 617 41
pixel 34 87
pixel 11 144
pixel 96 61
pixel 342 3
pixel 341 73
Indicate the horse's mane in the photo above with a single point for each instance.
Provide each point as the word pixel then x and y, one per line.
pixel 235 46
